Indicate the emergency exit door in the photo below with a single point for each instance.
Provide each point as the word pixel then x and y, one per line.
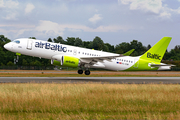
pixel 136 63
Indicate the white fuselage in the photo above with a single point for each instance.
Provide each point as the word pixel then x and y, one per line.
pixel 43 49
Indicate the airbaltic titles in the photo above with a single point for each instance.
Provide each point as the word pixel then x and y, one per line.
pixel 50 46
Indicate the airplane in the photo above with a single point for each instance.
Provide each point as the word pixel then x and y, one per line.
pixel 71 56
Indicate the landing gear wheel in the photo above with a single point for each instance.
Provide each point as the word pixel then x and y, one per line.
pixel 87 72
pixel 80 71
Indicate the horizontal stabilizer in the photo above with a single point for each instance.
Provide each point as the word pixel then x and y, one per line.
pixel 161 65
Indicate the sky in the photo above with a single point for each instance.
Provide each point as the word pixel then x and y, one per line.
pixel 114 21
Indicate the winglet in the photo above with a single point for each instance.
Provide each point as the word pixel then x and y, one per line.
pixel 128 52
pixel 156 53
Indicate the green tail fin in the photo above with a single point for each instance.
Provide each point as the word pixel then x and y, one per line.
pixel 156 53
pixel 128 52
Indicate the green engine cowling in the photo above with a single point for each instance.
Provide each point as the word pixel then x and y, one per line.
pixel 67 61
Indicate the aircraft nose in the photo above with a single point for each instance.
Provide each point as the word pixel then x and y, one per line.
pixel 7 46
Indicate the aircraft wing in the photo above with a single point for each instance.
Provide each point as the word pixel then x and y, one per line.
pixel 96 59
pixel 128 52
pixel 93 60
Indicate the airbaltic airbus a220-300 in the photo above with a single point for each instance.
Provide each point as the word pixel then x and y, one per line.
pixel 70 56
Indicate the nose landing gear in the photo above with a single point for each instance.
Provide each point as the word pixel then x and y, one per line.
pixel 16 59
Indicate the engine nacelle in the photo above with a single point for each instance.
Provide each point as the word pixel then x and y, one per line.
pixel 56 58
pixel 67 61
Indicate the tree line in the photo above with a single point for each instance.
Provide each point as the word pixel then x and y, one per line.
pixel 7 57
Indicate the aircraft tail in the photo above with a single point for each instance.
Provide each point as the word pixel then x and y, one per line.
pixel 156 53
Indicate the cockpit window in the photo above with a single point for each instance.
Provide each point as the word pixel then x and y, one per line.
pixel 16 41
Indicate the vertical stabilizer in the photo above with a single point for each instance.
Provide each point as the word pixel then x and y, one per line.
pixel 156 53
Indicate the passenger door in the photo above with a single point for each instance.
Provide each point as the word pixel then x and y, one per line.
pixel 29 44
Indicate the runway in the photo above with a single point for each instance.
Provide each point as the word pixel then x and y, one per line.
pixel 111 80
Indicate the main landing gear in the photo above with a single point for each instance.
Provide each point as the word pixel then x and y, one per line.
pixel 80 71
pixel 87 72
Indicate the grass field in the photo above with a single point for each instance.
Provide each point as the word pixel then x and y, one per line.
pixel 89 101
pixel 63 73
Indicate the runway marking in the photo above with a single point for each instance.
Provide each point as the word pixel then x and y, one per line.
pixel 120 80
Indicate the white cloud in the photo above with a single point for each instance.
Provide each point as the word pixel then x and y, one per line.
pixel 29 8
pixel 95 18
pixel 17 25
pixel 10 9
pixel 7 32
pixel 3 31
pixel 48 27
pixel 1 3
pixel 125 1
pixel 154 6
pixel 110 28
pixel 176 10
pixel 147 5
pixel 11 16
pixel 165 14
pixel 18 29
pixel 11 4
pixel 21 32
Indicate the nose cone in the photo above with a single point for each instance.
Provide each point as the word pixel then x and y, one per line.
pixel 7 46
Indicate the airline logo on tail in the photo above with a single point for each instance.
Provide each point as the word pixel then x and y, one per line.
pixel 153 56
pixel 157 52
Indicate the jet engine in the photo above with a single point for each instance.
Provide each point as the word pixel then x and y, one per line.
pixel 66 61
